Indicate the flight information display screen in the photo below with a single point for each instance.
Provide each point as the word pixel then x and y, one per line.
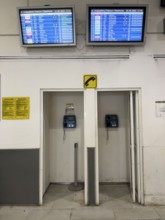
pixel 47 26
pixel 120 24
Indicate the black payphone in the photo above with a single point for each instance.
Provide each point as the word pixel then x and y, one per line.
pixel 111 121
pixel 69 121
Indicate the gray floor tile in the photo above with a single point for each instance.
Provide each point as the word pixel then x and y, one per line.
pixel 12 213
pixel 92 213
pixel 116 196
pixel 66 204
pixel 160 211
pixel 143 213
pixel 117 204
pixel 59 197
pixel 79 196
pixel 62 204
pixel 48 214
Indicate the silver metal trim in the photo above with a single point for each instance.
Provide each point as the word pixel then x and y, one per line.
pixel 93 57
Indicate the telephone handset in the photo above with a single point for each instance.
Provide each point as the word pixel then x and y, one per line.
pixel 92 78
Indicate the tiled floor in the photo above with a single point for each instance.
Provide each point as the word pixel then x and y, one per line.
pixel 62 204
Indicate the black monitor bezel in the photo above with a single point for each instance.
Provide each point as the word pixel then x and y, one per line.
pixel 116 43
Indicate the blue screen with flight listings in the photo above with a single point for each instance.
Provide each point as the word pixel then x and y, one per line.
pixel 116 24
pixel 47 26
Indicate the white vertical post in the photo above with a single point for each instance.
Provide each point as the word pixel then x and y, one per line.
pixel 140 151
pixel 97 152
pixel 90 137
pixel 41 151
pixel 132 146
pixel 137 145
pixel 89 132
pixel 90 118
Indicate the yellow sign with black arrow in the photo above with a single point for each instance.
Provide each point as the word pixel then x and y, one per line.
pixel 90 81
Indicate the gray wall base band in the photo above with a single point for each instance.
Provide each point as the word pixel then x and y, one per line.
pixel 19 176
pixel 91 176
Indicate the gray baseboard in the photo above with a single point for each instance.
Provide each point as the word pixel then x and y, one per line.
pixel 19 176
pixel 91 176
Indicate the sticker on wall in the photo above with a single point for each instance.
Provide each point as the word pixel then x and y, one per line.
pixel 90 81
pixel 160 108
pixel 15 108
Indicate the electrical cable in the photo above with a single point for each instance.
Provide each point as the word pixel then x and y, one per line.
pixel 107 136
pixel 64 134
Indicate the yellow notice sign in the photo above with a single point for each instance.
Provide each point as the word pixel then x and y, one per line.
pixel 15 108
pixel 90 81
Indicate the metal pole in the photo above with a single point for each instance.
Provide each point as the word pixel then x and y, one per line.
pixel 75 186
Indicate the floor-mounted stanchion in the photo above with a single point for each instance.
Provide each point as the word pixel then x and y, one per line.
pixel 76 186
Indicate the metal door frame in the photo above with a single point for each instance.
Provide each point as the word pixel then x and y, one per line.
pixel 41 137
pixel 139 164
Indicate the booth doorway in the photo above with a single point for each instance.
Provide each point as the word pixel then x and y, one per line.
pixel 58 145
pixel 120 147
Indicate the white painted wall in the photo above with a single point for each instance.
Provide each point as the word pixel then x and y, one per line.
pixel 114 150
pixel 27 77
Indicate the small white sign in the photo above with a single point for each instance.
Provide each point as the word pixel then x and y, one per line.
pixel 160 108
